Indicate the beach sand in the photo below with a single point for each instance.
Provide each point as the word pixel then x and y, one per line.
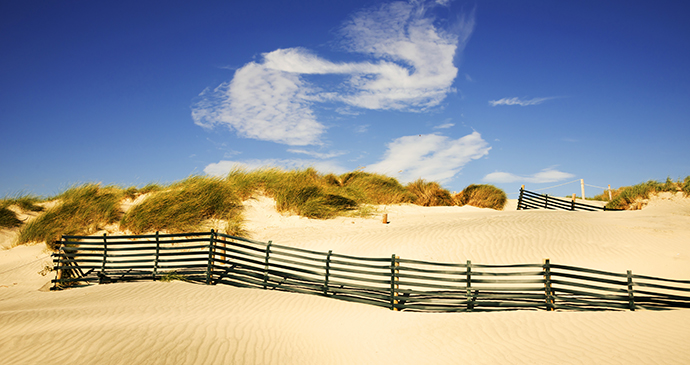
pixel 184 323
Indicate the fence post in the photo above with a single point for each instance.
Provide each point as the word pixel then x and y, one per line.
pixel 631 298
pixel 470 304
pixel 58 273
pixel 211 257
pixel 394 282
pixel 547 284
pixel 572 203
pixel 546 201
pixel 155 261
pixel 328 271
pixel 522 189
pixel 582 185
pixel 610 198
pixel 268 252
pixel 105 255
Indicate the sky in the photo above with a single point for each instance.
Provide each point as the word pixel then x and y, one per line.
pixel 540 93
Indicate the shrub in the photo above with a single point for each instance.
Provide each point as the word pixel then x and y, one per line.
pixel 184 206
pixel 81 210
pixel 482 196
pixel 429 194
pixel 686 186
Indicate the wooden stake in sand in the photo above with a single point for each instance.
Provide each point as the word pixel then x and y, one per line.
pixel 547 285
pixel 385 218
pixel 582 186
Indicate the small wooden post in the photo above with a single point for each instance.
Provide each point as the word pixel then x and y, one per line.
pixel 470 304
pixel 519 205
pixel 582 186
pixel 631 297
pixel 155 261
pixel 394 282
pixel 385 218
pixel 211 257
pixel 546 201
pixel 547 284
pixel 328 272
pixel 610 198
pixel 268 253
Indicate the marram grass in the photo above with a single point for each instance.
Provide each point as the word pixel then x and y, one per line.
pixel 632 197
pixel 81 210
pixel 482 196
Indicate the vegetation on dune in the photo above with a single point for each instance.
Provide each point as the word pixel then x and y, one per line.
pixel 8 218
pixel 81 210
pixel 482 196
pixel 184 206
pixel 429 194
pixel 631 197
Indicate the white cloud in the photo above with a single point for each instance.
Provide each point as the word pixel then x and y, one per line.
pixel 445 126
pixel 544 176
pixel 411 69
pixel 517 101
pixel 223 167
pixel 318 154
pixel 431 157
pixel 263 104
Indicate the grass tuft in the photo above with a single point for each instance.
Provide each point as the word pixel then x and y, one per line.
pixel 631 197
pixel 482 196
pixel 184 206
pixel 82 210
pixel 429 194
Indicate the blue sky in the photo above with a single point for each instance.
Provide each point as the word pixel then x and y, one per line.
pixel 539 93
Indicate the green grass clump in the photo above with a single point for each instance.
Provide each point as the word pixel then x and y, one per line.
pixel 81 210
pixel 686 186
pixel 429 194
pixel 184 206
pixel 482 196
pixel 630 197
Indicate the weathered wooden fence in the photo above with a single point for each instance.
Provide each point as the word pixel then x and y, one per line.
pixel 532 200
pixel 392 282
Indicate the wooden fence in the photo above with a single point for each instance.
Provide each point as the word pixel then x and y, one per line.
pixel 392 282
pixel 532 200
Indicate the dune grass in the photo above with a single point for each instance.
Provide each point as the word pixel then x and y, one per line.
pixel 8 217
pixel 81 210
pixel 482 196
pixel 184 206
pixel 429 194
pixel 631 197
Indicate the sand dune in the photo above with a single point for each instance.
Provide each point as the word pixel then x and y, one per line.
pixel 182 323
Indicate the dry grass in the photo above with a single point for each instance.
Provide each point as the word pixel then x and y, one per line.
pixel 429 194
pixel 482 196
pixel 184 206
pixel 632 197
pixel 81 210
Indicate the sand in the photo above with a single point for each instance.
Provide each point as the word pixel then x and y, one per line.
pixel 183 323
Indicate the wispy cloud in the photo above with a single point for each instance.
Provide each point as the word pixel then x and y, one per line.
pixel 430 156
pixel 444 126
pixel 517 101
pixel 320 155
pixel 223 167
pixel 544 176
pixel 411 69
